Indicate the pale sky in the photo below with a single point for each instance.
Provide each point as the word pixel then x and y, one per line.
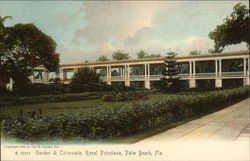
pixel 84 30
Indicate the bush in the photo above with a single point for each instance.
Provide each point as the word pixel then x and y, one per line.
pixel 11 101
pixel 85 80
pixel 126 96
pixel 123 120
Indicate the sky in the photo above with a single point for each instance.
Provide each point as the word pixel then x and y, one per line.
pixel 84 30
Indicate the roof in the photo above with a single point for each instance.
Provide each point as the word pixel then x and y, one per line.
pixel 155 59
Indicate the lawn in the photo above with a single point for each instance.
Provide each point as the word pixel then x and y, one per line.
pixel 96 119
pixel 82 106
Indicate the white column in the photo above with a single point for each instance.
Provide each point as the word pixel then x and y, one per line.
pixel 190 68
pixel 248 66
pixel 128 72
pixel 107 72
pixel 46 72
pixel 61 75
pixel 127 76
pixel 10 84
pixel 125 72
pixel 148 71
pixel 193 68
pixel 108 75
pixel 219 67
pixel 192 83
pixel 218 83
pixel 216 67
pixel 246 81
pixel 245 67
pixel 110 72
pixel 147 83
pixel 121 72
pixel 75 70
pixel 145 71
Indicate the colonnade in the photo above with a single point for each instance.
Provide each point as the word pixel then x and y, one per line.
pixel 192 76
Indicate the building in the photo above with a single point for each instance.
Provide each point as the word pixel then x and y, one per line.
pixel 221 70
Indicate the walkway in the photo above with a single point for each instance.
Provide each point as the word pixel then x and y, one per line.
pixel 220 136
pixel 229 124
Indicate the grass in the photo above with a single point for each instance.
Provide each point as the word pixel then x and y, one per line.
pixel 88 106
pixel 105 119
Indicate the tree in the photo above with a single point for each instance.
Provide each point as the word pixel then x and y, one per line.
pixel 142 54
pixel 120 55
pixel 154 56
pixel 85 79
pixel 195 52
pixel 3 67
pixel 170 82
pixel 2 20
pixel 234 30
pixel 102 58
pixel 25 48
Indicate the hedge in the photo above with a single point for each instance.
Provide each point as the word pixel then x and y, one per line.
pixel 123 120
pixel 12 101
pixel 126 96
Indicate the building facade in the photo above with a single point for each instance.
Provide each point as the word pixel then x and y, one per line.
pixel 220 70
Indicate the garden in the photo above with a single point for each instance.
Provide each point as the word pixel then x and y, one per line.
pixel 93 116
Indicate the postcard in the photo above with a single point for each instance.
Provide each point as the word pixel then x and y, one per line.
pixel 124 80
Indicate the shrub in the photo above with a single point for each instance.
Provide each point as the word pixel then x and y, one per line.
pixel 122 120
pixel 85 80
pixel 10 101
pixel 126 96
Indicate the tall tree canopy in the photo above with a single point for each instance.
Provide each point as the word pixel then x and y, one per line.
pixel 25 48
pixel 142 54
pixel 3 67
pixel 234 30
pixel 195 52
pixel 120 55
pixel 102 58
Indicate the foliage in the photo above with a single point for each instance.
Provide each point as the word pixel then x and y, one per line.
pixel 122 120
pixel 170 82
pixel 13 101
pixel 102 58
pixel 25 48
pixel 120 55
pixel 195 52
pixel 142 54
pixel 84 80
pixel 5 76
pixel 126 96
pixel 234 30
pixel 58 85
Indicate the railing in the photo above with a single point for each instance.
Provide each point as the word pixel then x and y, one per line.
pixel 117 77
pixel 205 74
pixel 156 77
pixel 232 74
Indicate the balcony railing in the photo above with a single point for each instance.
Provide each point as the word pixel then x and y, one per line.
pixel 153 77
pixel 232 74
